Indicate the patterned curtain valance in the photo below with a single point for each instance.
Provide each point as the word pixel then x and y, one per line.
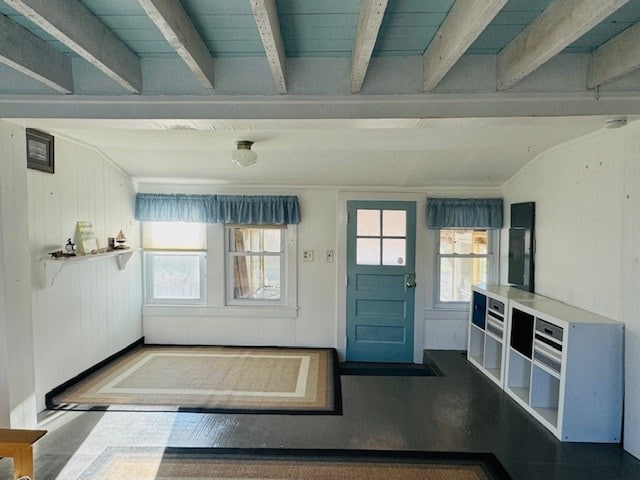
pixel 464 213
pixel 241 209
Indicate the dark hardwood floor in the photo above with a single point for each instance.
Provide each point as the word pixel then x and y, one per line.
pixel 460 411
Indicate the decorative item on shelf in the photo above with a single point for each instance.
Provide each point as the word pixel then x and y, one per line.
pixel 121 241
pixel 111 243
pixel 85 238
pixel 70 248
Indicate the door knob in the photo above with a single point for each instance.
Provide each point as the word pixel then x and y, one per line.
pixel 410 280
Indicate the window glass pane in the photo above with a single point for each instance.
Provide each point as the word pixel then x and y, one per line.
pixel 255 240
pixel 256 277
pixel 446 241
pixel 463 242
pixel 458 274
pixel 174 235
pixel 368 251
pixel 176 276
pixel 394 251
pixel 368 223
pixel 479 242
pixel 394 223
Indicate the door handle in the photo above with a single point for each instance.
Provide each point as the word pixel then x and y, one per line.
pixel 410 280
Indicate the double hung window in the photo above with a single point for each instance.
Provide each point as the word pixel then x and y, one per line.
pixel 463 258
pixel 175 255
pixel 256 265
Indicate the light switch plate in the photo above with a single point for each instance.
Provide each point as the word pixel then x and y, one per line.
pixel 329 256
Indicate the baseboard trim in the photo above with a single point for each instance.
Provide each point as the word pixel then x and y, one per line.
pixel 57 390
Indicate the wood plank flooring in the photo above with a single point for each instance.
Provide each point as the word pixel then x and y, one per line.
pixel 462 411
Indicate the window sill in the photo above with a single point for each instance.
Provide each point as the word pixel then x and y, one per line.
pixel 230 311
pixel 453 306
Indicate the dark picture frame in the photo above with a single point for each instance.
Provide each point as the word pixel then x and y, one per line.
pixel 40 151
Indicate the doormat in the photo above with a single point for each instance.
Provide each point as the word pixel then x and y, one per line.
pixel 210 380
pixel 390 369
pixel 147 463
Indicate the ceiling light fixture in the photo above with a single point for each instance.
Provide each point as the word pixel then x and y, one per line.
pixel 244 156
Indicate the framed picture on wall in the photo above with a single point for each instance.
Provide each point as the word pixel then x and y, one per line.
pixel 40 151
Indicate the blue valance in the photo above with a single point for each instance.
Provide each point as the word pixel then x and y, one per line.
pixel 241 209
pixel 257 210
pixel 478 213
pixel 152 207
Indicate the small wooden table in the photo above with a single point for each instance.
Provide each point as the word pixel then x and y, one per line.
pixel 18 444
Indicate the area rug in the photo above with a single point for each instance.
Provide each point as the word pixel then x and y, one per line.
pixel 209 379
pixel 144 463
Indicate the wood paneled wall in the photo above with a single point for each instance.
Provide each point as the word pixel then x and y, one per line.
pixel 93 309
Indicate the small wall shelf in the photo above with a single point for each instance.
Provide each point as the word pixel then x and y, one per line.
pixel 46 270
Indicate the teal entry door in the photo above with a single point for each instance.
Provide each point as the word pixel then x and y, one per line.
pixel 380 281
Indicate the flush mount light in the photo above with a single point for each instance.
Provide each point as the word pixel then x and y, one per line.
pixel 244 156
pixel 616 122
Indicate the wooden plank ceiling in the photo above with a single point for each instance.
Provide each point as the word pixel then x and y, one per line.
pixel 117 36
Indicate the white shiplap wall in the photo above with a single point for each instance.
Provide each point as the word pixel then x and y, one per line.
pixel 587 195
pixel 92 310
pixel 17 399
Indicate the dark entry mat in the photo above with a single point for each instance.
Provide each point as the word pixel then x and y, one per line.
pixel 389 369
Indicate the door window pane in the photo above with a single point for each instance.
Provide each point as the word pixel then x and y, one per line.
pixel 368 251
pixel 457 275
pixel 394 223
pixel 394 251
pixel 368 223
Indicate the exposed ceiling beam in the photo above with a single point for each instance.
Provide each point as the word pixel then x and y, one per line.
pixel 563 22
pixel 176 27
pixel 266 17
pixel 369 21
pixel 70 22
pixel 464 23
pixel 29 54
pixel 617 57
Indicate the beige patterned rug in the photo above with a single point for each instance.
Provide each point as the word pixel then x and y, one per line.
pixel 125 463
pixel 209 379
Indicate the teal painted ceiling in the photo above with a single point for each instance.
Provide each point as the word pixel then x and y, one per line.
pixel 325 28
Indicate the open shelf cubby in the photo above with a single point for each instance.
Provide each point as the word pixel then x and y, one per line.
pixel 552 374
pixel 488 328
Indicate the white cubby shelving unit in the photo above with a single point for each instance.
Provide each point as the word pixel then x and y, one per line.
pixel 565 367
pixel 488 328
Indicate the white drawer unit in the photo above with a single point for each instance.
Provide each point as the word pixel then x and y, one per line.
pixel 488 328
pixel 565 367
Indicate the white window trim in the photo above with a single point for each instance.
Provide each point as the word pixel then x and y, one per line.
pixel 288 285
pixel 492 256
pixel 148 283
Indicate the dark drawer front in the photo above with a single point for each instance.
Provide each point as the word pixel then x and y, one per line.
pixel 549 329
pixel 496 306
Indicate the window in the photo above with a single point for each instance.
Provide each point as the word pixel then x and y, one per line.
pixel 256 265
pixel 174 262
pixel 463 258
